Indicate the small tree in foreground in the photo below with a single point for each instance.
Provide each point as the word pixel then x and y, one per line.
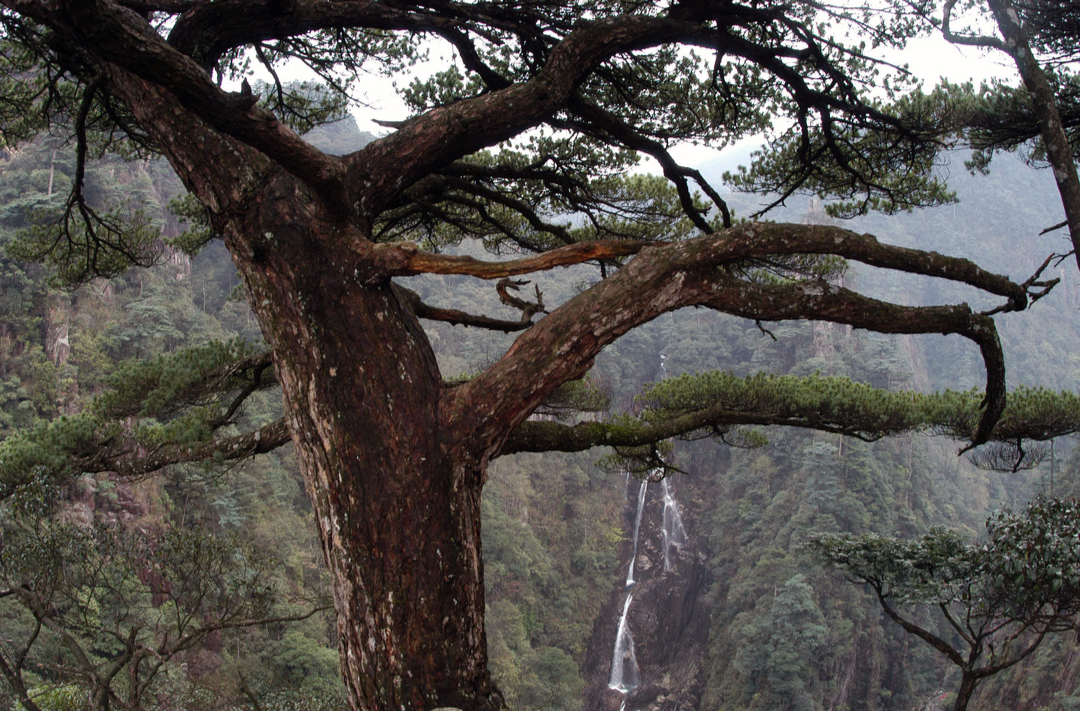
pixel 110 612
pixel 999 598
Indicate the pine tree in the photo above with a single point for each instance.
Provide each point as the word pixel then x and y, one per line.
pixel 527 144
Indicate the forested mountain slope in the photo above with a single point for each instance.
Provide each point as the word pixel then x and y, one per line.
pixel 785 633
pixel 745 618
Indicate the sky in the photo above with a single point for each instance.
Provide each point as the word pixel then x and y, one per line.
pixel 929 58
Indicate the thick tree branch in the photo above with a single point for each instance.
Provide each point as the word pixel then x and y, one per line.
pixel 928 637
pixel 247 375
pixel 208 31
pixel 438 198
pixel 407 259
pixel 547 436
pixel 442 135
pixel 610 127
pixel 718 403
pixel 969 40
pixel 121 37
pixel 265 439
pixel 992 669
pixel 823 301
pixel 969 635
pixel 117 453
pixel 15 681
pixel 192 146
pixel 666 277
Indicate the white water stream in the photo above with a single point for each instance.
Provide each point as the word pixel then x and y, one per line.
pixel 673 531
pixel 637 529
pixel 624 668
pixel 625 675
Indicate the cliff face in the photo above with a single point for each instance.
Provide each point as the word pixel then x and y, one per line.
pixel 672 597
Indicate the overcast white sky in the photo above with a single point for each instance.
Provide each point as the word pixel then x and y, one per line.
pixel 930 58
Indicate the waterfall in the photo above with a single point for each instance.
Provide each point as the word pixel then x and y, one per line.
pixel 674 533
pixel 624 668
pixel 637 527
pixel 625 675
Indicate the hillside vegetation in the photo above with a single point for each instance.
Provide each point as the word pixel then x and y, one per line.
pixel 784 633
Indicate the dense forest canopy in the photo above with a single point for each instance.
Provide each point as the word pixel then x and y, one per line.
pixel 524 144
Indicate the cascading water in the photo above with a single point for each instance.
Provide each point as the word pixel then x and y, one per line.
pixel 637 528
pixel 624 668
pixel 625 675
pixel 673 531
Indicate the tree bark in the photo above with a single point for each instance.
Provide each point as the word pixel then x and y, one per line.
pixel 1058 151
pixel 968 682
pixel 395 492
pixel 396 499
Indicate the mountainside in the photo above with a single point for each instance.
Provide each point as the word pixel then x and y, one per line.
pixel 728 610
pixel 782 632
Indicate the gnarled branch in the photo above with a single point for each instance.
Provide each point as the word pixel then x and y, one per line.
pixel 666 277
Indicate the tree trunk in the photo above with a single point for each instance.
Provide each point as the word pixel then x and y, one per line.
pixel 967 688
pixel 1058 151
pixel 397 502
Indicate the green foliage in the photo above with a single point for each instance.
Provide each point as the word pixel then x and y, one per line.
pixel 93 244
pixel 302 657
pixel 105 594
pixel 550 529
pixel 303 105
pixel 575 397
pixel 928 570
pixel 1002 596
pixel 181 398
pixel 866 412
pixel 17 409
pixel 807 158
pixel 1003 119
pixel 102 226
pixel 169 396
pixel 873 411
pixel 528 200
pixel 69 697
pixel 198 233
pixel 550 537
pixel 1027 569
pixel 46 451
pixel 781 648
pixel 165 385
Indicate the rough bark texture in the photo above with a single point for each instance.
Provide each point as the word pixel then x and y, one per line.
pixel 968 682
pixel 396 498
pixel 397 505
pixel 1016 43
